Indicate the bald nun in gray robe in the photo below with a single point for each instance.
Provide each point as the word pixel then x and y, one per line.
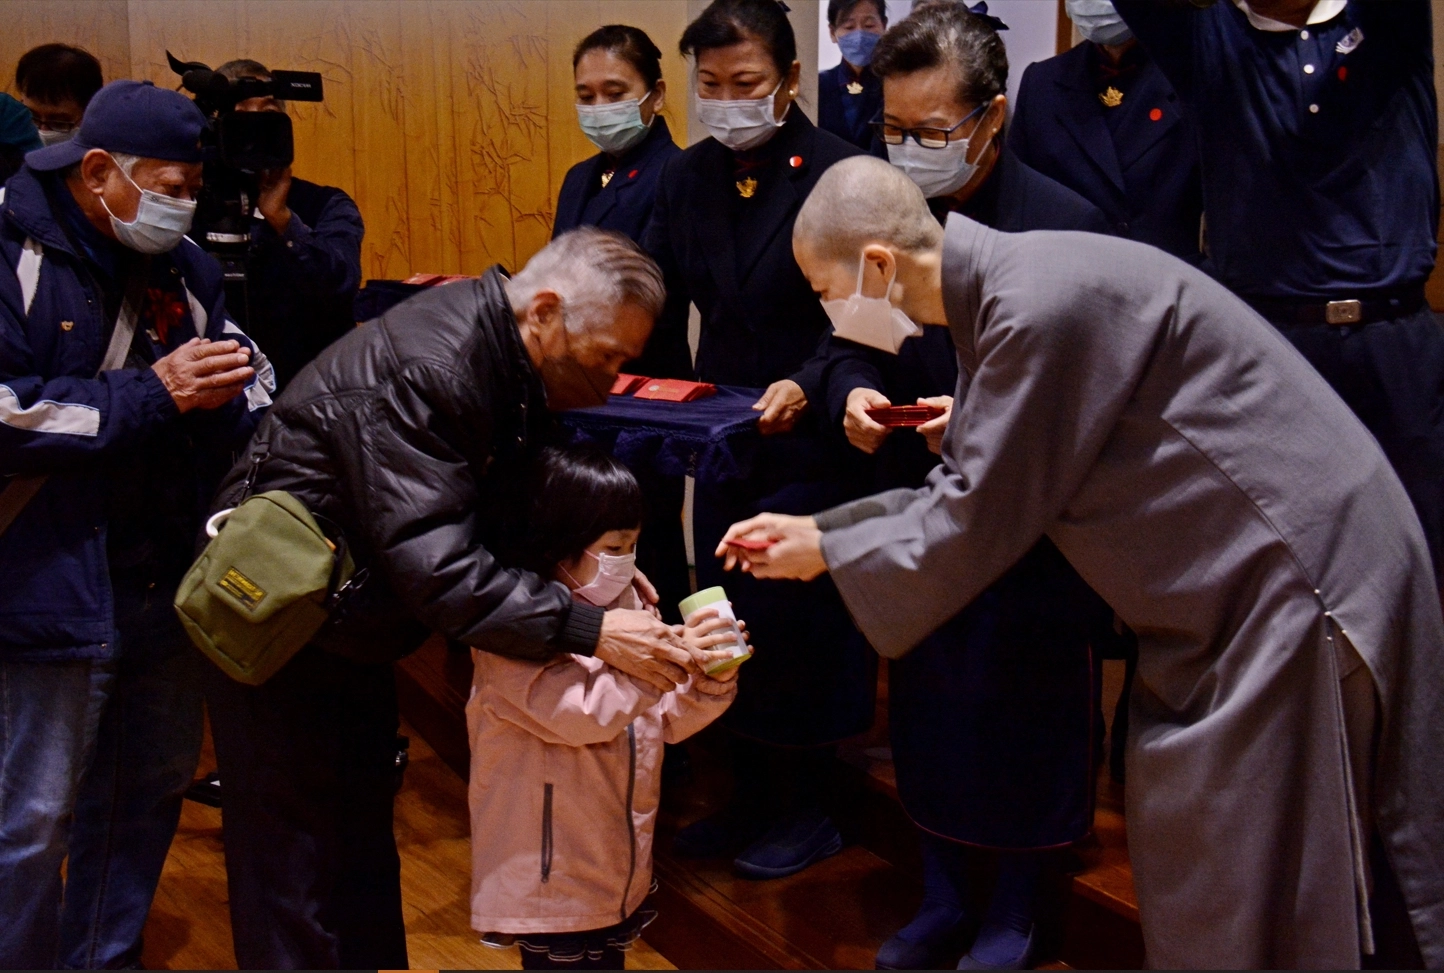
pixel 1204 479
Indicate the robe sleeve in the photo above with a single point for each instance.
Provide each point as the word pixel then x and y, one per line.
pixel 1050 382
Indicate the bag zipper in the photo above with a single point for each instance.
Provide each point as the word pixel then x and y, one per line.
pixel 631 821
pixel 546 852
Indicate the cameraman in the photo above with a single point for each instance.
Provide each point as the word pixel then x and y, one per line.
pixel 305 261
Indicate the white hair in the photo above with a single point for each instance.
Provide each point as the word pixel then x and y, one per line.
pixel 592 271
pixel 125 161
pixel 863 200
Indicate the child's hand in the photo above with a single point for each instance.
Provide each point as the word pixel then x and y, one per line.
pixel 707 630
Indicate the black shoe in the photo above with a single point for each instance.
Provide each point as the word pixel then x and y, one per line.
pixel 934 938
pixel 789 846
pixel 206 791
pixel 717 835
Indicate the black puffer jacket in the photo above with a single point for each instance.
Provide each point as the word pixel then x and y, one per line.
pixel 399 434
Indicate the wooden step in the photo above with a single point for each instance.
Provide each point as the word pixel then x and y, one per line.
pixel 834 915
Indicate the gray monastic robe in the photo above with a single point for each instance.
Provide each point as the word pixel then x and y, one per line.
pixel 1204 479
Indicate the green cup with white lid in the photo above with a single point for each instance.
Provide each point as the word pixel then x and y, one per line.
pixel 716 598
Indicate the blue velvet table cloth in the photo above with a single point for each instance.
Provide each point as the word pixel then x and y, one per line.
pixel 713 439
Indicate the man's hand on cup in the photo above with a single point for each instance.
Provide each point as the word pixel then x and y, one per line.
pixel 935 428
pixel 860 430
pixel 793 551
pixel 203 374
pixel 642 647
pixel 780 406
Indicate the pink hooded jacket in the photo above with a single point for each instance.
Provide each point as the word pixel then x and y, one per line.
pixel 566 762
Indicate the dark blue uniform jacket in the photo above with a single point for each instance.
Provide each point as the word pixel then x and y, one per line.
pixel 304 281
pixel 129 476
pixel 1137 162
pixel 625 203
pixel 844 114
pixel 1318 145
pixel 732 257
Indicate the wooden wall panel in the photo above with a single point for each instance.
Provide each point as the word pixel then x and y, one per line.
pixel 451 122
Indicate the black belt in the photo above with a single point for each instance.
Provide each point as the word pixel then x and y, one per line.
pixel 1340 313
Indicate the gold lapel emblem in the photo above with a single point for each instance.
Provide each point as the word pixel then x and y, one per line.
pixel 747 188
pixel 854 87
pixel 66 325
pixel 606 178
pixel 1111 98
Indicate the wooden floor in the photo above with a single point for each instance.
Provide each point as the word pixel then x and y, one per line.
pixel 189 927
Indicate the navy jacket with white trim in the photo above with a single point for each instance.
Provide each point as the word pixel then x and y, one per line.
pixel 101 437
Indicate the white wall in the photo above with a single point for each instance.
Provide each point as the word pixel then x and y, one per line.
pixel 1031 34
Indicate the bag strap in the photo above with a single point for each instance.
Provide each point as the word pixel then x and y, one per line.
pixel 22 489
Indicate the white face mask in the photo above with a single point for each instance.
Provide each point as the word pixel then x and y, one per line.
pixel 160 221
pixel 49 136
pixel 616 127
pixel 1098 21
pixel 871 321
pixel 742 124
pixel 937 172
pixel 614 574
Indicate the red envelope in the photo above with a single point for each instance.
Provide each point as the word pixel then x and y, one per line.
pixel 627 384
pixel 751 543
pixel 674 390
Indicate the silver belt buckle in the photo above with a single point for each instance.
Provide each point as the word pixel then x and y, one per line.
pixel 1343 312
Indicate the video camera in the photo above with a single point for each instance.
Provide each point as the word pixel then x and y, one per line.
pixel 241 145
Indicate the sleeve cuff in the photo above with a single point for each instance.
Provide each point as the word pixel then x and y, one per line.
pixel 158 400
pixel 581 629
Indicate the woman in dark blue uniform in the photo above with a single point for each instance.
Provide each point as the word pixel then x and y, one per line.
pixel 849 96
pixel 992 716
pixel 1103 120
pixel 618 75
pixel 722 233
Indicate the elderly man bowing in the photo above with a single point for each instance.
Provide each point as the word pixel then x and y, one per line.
pixel 1207 483
pixel 397 434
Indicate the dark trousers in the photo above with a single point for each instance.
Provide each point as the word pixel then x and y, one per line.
pixel 307 766
pixel 1391 373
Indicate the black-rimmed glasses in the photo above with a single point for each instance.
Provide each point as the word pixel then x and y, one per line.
pixel 928 138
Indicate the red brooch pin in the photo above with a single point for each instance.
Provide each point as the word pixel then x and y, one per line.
pixel 795 161
pixel 1156 114
pixel 1343 73
pixel 632 174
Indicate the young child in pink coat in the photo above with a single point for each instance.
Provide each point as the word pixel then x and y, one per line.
pixel 566 756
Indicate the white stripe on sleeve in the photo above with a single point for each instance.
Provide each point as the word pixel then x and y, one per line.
pixel 65 418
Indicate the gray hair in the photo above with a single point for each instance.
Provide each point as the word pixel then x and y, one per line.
pixel 863 200
pixel 125 161
pixel 592 271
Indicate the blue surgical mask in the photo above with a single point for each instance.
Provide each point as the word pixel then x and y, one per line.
pixel 1098 21
pixel 857 47
pixel 616 127
pixel 160 222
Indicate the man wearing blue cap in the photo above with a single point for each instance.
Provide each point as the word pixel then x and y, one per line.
pixel 124 388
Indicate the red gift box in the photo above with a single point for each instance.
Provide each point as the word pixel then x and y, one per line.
pixel 674 390
pixel 627 384
pixel 904 416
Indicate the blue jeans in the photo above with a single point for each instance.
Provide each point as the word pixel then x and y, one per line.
pixel 94 762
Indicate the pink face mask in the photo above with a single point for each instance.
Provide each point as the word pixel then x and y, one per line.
pixel 614 574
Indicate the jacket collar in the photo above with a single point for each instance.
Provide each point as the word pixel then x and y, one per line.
pixel 628 168
pixel 967 254
pixel 1079 113
pixel 516 385
pixel 28 208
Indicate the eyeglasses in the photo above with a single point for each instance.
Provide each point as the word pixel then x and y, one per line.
pixel 53 124
pixel 928 138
